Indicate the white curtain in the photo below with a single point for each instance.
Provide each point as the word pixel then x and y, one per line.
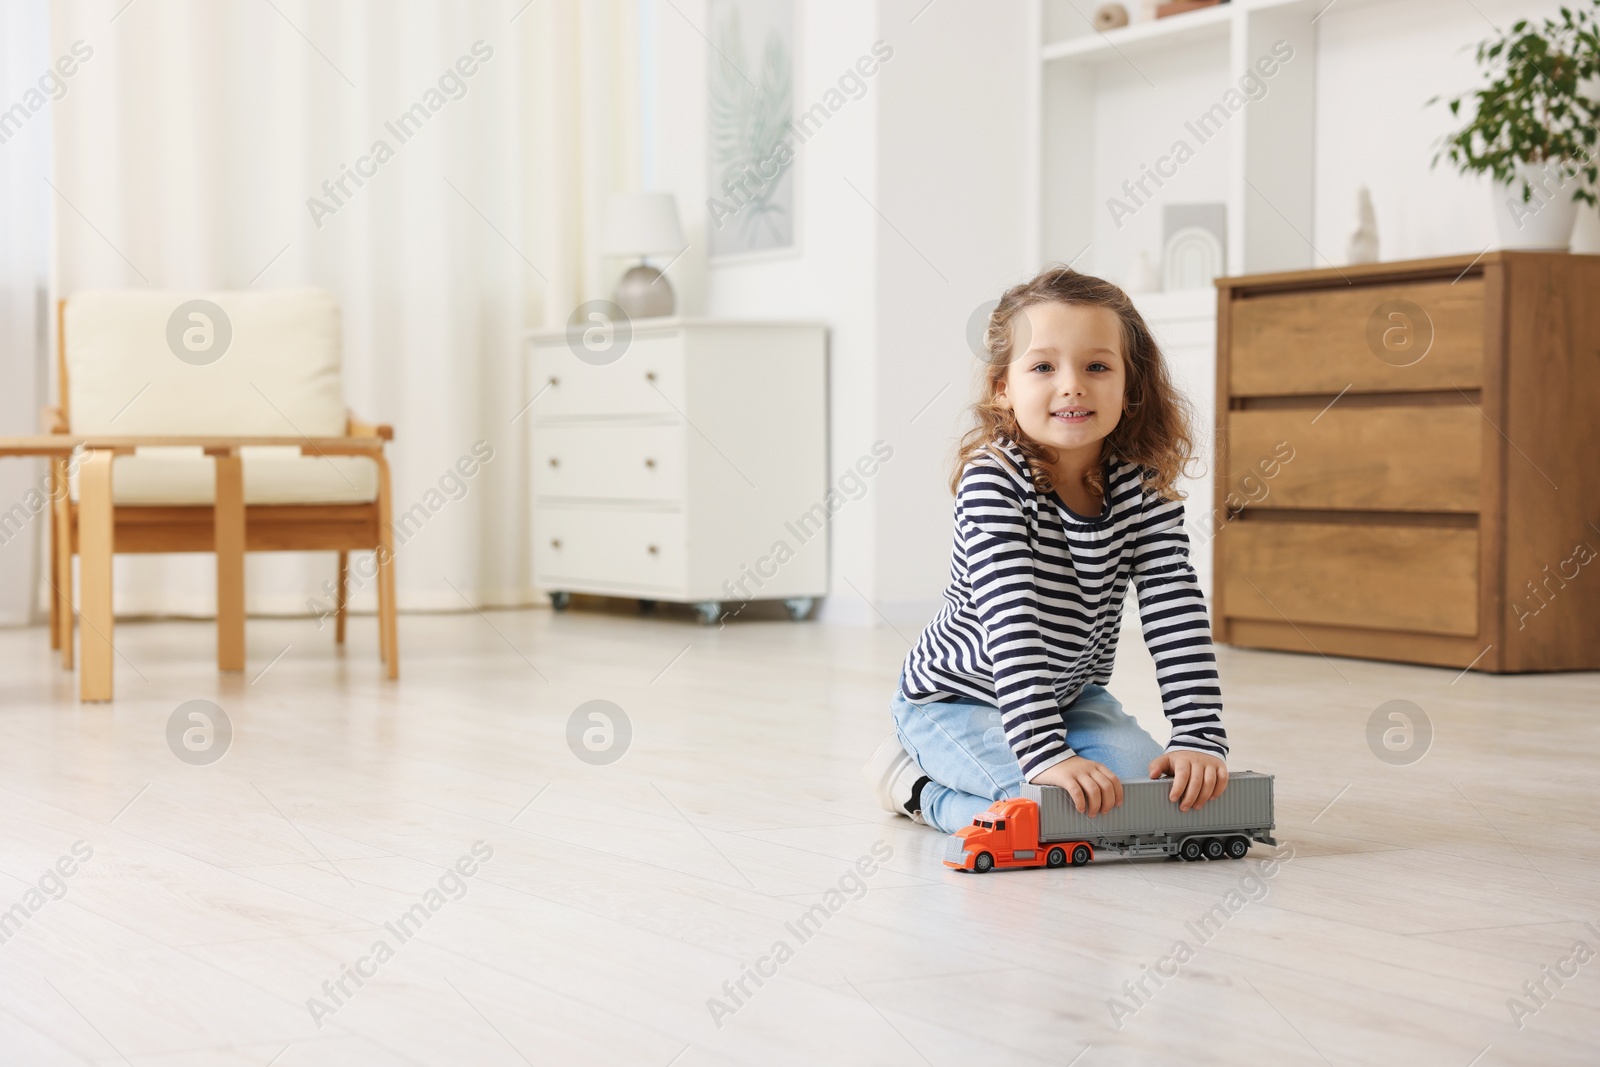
pixel 24 295
pixel 192 151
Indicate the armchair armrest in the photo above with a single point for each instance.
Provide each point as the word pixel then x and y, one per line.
pixel 45 444
pixel 359 428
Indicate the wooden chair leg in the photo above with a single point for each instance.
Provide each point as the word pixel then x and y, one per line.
pixel 228 529
pixel 389 618
pixel 56 488
pixel 388 628
pixel 383 631
pixel 61 542
pixel 343 595
pixel 383 614
pixel 95 525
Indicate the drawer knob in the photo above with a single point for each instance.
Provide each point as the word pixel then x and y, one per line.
pixel 649 375
pixel 554 462
pixel 648 462
pixel 554 380
pixel 653 550
pixel 555 542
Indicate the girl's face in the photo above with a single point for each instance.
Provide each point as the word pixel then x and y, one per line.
pixel 1067 377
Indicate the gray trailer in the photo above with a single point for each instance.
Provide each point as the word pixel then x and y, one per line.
pixel 1146 823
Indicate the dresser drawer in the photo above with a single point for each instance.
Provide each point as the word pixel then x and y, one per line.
pixel 1422 578
pixel 1380 338
pixel 648 379
pixel 1403 458
pixel 605 549
pixel 605 460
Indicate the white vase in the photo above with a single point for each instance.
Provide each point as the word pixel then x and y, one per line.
pixel 1546 219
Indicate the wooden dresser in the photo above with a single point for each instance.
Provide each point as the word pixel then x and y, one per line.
pixel 1408 460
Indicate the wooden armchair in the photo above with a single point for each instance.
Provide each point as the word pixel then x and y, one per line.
pixel 224 416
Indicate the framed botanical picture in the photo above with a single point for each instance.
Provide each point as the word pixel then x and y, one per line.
pixel 750 205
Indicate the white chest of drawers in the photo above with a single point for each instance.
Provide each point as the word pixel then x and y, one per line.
pixel 692 467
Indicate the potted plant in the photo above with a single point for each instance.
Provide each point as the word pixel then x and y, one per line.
pixel 1534 127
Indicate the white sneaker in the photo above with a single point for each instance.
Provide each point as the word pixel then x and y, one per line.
pixel 893 776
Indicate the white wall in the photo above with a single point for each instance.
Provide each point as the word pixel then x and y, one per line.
pixel 953 135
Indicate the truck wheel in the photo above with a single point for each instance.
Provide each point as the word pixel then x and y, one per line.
pixel 1215 849
pixel 1237 847
pixel 1056 858
pixel 984 863
pixel 1191 849
pixel 1080 855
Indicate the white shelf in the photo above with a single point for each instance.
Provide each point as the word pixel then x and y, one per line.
pixel 1179 305
pixel 1195 27
pixel 1206 24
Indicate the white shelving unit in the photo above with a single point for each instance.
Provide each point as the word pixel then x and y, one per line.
pixel 1111 105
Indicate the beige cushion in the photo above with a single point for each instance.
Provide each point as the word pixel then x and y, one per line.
pixel 278 375
pixel 173 476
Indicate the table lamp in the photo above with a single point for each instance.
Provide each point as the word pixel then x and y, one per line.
pixel 642 224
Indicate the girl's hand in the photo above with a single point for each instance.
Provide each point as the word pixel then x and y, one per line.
pixel 1094 789
pixel 1196 776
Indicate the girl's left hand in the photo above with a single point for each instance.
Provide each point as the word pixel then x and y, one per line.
pixel 1196 776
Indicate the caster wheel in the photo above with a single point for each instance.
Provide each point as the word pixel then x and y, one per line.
pixel 559 601
pixel 710 611
pixel 799 606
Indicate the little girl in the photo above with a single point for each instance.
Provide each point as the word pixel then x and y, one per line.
pixel 1064 494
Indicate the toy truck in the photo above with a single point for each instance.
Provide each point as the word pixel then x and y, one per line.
pixel 1042 828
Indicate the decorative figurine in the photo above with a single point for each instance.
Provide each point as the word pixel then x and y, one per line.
pixel 1364 242
pixel 1110 17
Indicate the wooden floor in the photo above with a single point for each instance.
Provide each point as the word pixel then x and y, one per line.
pixel 1408 906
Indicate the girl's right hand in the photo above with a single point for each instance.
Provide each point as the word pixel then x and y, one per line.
pixel 1094 789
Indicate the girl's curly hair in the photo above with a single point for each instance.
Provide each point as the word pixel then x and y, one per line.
pixel 1154 431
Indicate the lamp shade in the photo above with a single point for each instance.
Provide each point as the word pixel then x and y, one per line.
pixel 638 224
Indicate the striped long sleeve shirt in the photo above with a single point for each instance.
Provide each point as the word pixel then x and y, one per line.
pixel 1034 608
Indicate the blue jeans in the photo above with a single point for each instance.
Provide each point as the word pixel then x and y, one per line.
pixel 962 749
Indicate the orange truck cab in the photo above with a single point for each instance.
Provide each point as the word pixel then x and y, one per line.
pixel 1007 835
